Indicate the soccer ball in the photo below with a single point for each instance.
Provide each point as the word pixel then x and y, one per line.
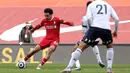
pixel 22 64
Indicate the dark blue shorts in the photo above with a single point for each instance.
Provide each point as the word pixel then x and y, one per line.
pixel 94 33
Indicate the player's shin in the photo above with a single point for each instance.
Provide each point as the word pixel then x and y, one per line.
pixel 32 52
pixel 43 61
pixel 109 57
pixel 97 53
pixel 75 56
pixel 49 53
pixel 27 57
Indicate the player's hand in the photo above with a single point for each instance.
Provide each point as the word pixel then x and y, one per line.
pixel 115 34
pixel 32 30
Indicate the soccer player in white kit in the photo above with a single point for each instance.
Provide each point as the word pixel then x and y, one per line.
pixel 98 15
pixel 95 49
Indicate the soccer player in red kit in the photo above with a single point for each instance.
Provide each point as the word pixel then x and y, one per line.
pixel 51 40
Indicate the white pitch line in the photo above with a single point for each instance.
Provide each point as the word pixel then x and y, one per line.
pixel 33 20
pixel 121 22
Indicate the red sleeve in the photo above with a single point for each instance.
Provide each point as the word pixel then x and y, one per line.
pixel 65 22
pixel 38 26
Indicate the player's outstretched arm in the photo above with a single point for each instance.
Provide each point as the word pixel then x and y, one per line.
pixel 66 23
pixel 37 27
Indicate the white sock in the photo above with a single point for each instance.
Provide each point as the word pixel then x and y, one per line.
pixel 97 53
pixel 77 63
pixel 75 56
pixel 109 57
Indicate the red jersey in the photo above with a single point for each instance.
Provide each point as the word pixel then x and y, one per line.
pixel 52 28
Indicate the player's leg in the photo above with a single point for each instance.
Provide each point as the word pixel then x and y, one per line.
pixel 32 52
pixel 108 41
pixel 75 56
pixel 88 38
pixel 50 50
pixel 109 57
pixel 98 57
pixel 43 44
pixel 77 63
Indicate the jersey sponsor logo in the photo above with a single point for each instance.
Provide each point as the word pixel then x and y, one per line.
pixel 51 27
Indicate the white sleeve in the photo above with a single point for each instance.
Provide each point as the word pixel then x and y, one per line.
pixel 116 19
pixel 85 25
pixel 84 21
pixel 88 15
pixel 114 15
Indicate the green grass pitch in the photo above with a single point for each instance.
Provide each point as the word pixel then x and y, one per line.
pixel 56 68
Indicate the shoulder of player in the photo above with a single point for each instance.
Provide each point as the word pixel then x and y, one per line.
pixel 44 20
pixel 99 2
pixel 92 4
pixel 56 18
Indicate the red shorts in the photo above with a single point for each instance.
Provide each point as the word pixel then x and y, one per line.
pixel 46 43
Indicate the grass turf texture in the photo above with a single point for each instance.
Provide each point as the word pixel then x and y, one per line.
pixel 56 68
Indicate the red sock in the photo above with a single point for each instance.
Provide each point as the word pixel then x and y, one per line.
pixel 43 61
pixel 27 57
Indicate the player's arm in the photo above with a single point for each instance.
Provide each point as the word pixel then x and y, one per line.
pixel 88 15
pixel 66 22
pixel 37 26
pixel 116 19
pixel 85 25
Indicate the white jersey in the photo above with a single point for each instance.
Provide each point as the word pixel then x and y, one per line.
pixel 99 13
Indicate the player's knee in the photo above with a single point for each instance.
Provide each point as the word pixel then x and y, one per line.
pixel 109 45
pixel 52 49
pixel 83 46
